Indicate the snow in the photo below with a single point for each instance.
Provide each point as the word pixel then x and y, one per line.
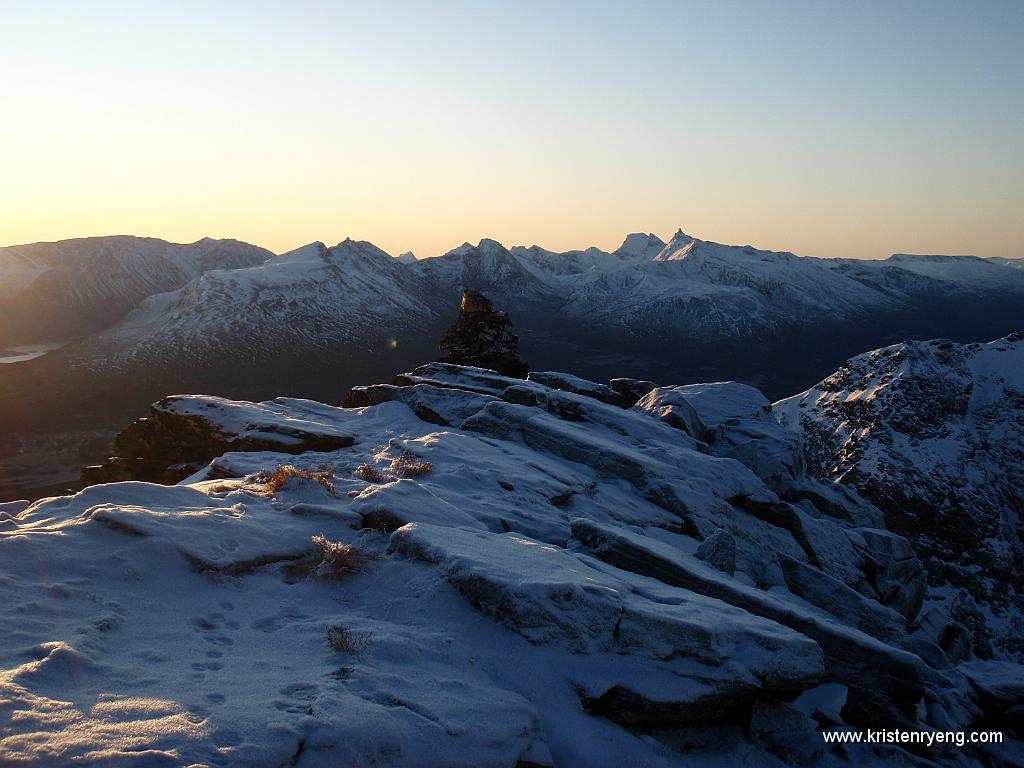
pixel 314 295
pixel 933 425
pixel 486 622
pixel 20 354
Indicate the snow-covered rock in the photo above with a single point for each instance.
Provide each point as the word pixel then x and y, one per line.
pixel 933 434
pixel 737 421
pixel 461 569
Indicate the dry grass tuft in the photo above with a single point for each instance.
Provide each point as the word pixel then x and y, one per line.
pixel 276 480
pixel 329 560
pixel 370 474
pixel 342 640
pixel 410 465
pixel 335 560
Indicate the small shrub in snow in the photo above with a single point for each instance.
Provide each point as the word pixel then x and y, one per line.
pixel 341 639
pixel 276 480
pixel 370 474
pixel 409 465
pixel 329 560
pixel 336 560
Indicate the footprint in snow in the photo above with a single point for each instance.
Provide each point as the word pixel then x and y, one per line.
pixel 211 623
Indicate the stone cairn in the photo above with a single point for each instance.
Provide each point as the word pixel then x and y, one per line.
pixel 482 336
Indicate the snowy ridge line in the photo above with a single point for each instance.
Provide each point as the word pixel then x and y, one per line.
pixel 216 298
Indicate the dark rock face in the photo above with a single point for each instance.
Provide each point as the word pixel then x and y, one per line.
pixel 184 433
pixel 482 336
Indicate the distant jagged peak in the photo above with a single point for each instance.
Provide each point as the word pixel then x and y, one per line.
pixel 358 249
pixel 316 250
pixel 640 246
pixel 677 248
pixel 486 246
pixel 407 258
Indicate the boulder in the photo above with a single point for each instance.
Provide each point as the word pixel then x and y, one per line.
pixel 675 410
pixel 893 569
pixel 631 389
pixel 935 627
pixel 839 501
pixel 738 423
pixel 466 378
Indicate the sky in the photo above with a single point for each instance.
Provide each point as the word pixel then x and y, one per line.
pixel 825 128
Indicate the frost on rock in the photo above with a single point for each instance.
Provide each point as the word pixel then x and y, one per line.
pixel 466 569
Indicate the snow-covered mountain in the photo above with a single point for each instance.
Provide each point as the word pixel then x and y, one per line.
pixel 933 434
pixel 687 288
pixel 303 301
pixel 65 290
pixel 462 569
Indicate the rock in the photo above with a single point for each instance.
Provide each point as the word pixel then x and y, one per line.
pixel 631 389
pixel 769 717
pixel 893 569
pixel 719 551
pixel 850 607
pixel 435 405
pixel 712 657
pixel 578 386
pixel 720 403
pixel 936 628
pixel 884 682
pixel 482 336
pixel 675 410
pixel 932 433
pixel 541 431
pixel 839 501
pixel 466 378
pixel 997 689
pixel 736 420
pixel 996 682
pixel 823 704
pixel 183 433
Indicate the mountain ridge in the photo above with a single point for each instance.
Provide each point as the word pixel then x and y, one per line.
pixel 318 319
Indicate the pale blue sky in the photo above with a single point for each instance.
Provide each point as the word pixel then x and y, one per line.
pixel 853 129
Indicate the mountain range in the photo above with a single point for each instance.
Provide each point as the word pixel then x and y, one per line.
pixel 141 318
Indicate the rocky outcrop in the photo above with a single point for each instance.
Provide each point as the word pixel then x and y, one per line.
pixel 482 336
pixel 550 595
pixel 572 563
pixel 737 422
pixel 184 433
pixel 568 383
pixel 888 682
pixel 932 433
